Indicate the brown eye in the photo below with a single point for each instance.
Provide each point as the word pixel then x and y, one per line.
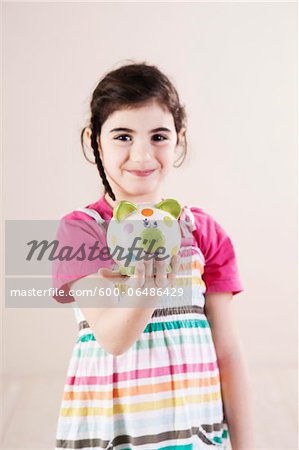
pixel 159 136
pixel 122 136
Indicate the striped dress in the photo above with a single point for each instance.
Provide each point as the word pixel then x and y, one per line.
pixel 163 393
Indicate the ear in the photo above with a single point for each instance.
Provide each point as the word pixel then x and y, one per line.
pixel 88 138
pixel 87 135
pixel 123 209
pixel 171 206
pixel 181 134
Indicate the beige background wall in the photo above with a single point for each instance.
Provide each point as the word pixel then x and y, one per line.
pixel 235 67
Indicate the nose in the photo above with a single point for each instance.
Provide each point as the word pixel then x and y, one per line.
pixel 140 152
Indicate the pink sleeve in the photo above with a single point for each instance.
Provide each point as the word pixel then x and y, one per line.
pixel 221 270
pixel 77 235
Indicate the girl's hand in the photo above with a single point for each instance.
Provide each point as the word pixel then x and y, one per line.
pixel 144 276
pixel 144 273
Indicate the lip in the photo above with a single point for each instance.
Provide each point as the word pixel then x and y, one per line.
pixel 141 173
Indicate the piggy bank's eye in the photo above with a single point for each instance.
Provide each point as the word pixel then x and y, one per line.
pixel 155 224
pixel 146 223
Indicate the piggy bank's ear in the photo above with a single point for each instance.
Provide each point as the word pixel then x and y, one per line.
pixel 123 209
pixel 171 206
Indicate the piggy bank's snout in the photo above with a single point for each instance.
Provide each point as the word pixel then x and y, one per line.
pixel 152 239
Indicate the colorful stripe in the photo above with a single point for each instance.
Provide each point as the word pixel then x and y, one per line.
pixel 163 393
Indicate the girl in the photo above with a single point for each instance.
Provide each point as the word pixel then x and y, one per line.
pixel 141 377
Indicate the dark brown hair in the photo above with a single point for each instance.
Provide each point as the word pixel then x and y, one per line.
pixel 126 87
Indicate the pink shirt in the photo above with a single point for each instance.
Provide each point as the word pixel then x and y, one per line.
pixel 220 270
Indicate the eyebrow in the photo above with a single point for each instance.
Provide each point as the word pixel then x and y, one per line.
pixel 132 131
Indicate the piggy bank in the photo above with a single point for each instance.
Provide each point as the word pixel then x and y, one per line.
pixel 144 231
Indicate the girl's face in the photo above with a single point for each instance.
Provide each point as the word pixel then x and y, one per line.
pixel 137 150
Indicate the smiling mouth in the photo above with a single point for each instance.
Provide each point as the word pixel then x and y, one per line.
pixel 141 173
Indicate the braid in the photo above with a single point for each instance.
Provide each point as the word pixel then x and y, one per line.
pixel 94 144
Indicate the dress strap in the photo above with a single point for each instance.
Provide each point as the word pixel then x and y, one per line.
pixel 92 213
pixel 187 222
pixel 188 225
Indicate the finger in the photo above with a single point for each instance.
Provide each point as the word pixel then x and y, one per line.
pixel 148 268
pixel 111 274
pixel 137 280
pixel 175 266
pixel 161 275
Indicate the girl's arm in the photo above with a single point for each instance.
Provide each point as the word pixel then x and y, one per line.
pixel 235 385
pixel 117 329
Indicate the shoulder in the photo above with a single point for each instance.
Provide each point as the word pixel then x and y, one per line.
pixel 200 214
pixel 76 215
pixel 78 224
pixel 210 235
pixel 221 270
pixel 204 221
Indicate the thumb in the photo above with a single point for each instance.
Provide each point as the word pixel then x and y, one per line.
pixel 111 274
